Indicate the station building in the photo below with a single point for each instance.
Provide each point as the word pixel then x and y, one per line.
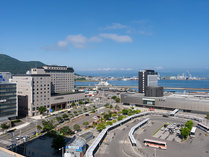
pixel 188 103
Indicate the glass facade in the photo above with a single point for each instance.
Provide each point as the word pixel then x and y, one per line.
pixel 8 100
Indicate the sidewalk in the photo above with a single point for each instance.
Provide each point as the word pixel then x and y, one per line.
pixel 17 127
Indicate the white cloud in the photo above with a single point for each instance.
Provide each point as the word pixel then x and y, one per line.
pixel 117 38
pixel 158 68
pixel 115 26
pixel 78 41
pixel 62 44
pixel 95 39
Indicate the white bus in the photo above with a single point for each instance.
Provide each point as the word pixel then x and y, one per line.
pixel 192 133
pixel 203 127
pixel 154 143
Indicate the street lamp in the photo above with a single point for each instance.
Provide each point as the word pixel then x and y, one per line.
pixel 62 151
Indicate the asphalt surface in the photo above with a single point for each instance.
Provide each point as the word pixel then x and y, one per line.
pixel 117 143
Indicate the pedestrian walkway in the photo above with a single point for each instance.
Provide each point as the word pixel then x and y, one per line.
pixel 17 127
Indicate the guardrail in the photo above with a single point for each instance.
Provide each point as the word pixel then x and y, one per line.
pixel 97 142
pixel 133 129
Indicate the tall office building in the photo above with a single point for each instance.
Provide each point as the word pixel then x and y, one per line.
pixel 34 91
pixel 8 97
pixel 62 77
pixel 147 78
pixel 49 86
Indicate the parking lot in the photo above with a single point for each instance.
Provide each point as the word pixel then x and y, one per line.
pixel 192 147
pixel 170 132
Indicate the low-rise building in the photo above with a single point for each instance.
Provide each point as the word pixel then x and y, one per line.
pixel 189 103
pixel 76 147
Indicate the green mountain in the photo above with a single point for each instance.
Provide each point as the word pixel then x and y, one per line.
pixel 9 64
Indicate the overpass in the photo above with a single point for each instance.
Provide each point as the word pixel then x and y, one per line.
pixel 168 88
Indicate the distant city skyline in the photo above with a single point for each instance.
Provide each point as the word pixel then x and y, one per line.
pixel 108 35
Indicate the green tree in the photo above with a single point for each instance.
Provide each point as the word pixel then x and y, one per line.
pixel 39 128
pixel 42 109
pixel 117 107
pixel 85 109
pixel 66 131
pixel 124 111
pixel 4 126
pixel 47 125
pixel 58 142
pixel 101 126
pixel 107 116
pixel 76 127
pixel 114 97
pixel 185 132
pixel 81 102
pixel 189 124
pixel 106 105
pixel 207 116
pixel 117 100
pixel 109 123
pixel 73 104
pixel 120 118
pixel 86 124
pixel 93 110
pixel 59 119
pixel 65 116
pixel 111 106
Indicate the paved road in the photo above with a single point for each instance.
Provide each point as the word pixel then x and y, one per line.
pixel 117 143
pixel 29 130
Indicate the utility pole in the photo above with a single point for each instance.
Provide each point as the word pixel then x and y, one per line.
pixel 155 152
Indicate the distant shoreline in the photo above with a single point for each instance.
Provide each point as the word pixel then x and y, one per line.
pixel 85 81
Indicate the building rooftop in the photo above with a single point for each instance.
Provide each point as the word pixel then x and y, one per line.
pixel 7 153
pixel 55 68
pixel 176 95
pixel 33 75
pixel 77 142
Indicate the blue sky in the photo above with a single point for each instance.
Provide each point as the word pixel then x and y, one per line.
pixel 107 34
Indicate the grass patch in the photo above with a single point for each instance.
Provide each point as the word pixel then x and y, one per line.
pixel 16 121
pixel 160 128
